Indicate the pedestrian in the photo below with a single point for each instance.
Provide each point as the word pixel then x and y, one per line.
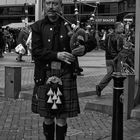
pixel 112 45
pixel 1 43
pixel 21 44
pixel 55 95
pixel 29 46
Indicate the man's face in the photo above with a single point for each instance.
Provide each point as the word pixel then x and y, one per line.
pixel 120 28
pixel 52 6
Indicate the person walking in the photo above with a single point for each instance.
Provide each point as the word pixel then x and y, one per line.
pixel 112 45
pixel 21 44
pixel 55 95
pixel 1 43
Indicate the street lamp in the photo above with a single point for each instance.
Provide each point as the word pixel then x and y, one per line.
pixel 26 12
pixel 97 4
pixel 97 33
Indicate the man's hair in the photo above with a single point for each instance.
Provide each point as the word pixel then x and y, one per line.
pixel 117 24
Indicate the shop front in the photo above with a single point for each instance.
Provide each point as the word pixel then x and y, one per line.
pixel 105 22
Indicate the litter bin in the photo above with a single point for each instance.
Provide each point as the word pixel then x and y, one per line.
pixel 12 81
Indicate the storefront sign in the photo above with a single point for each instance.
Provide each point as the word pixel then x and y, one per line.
pixel 90 1
pixel 105 19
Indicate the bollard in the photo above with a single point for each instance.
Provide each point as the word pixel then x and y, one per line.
pixel 117 119
pixel 12 81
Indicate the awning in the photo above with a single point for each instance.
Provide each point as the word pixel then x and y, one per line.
pixel 17 25
pixel 106 20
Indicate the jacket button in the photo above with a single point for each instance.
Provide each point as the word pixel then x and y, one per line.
pixel 61 36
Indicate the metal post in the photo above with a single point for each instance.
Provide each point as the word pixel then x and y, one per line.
pixel 97 32
pixel 38 9
pixel 117 119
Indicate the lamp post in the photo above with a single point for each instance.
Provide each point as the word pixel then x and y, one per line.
pixel 97 3
pixel 26 13
pixel 97 33
pixel 38 9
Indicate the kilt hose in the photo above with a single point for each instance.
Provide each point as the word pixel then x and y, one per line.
pixel 70 102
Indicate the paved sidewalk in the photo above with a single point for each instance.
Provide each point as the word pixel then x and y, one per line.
pixel 17 122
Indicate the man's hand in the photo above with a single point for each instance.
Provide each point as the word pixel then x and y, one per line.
pixel 66 57
pixel 79 51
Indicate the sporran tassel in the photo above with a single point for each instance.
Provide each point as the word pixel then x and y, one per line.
pixel 54 106
pixel 58 101
pixel 59 92
pixel 50 100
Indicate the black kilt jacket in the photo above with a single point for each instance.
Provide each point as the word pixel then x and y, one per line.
pixel 44 52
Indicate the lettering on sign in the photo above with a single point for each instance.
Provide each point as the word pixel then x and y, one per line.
pixel 105 19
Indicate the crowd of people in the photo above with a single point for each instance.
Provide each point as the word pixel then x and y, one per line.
pixel 55 51
pixel 11 37
pixel 8 37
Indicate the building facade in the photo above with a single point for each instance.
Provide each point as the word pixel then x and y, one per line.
pixel 106 13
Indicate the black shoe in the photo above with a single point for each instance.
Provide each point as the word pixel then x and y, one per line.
pixel 98 91
pixel 1 56
pixel 80 69
pixel 48 131
pixel 80 74
pixel 61 132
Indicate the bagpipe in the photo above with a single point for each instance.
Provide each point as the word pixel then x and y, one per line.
pixel 78 35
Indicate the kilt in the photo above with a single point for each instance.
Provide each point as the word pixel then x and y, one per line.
pixel 70 100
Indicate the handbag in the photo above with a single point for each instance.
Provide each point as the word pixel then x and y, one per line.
pixel 20 49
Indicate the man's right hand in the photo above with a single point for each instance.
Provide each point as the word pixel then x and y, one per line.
pixel 66 57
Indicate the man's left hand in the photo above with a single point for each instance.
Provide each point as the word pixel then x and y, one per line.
pixel 79 51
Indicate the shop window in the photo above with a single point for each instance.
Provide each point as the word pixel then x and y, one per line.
pixel 107 8
pixel 1 10
pixel 15 10
pixel 88 9
pixel 31 10
pixel 101 9
pixel 68 9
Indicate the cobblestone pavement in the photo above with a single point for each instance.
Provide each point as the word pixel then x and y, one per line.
pixel 17 122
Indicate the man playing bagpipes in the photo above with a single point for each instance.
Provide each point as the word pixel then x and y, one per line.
pixel 55 92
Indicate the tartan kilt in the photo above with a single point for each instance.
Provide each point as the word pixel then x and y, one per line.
pixel 70 100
